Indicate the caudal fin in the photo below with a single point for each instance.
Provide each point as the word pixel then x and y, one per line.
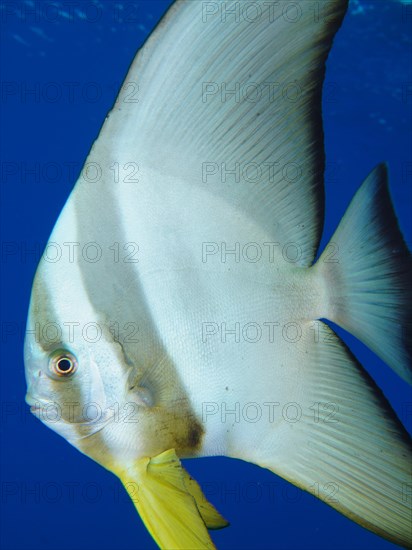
pixel 368 273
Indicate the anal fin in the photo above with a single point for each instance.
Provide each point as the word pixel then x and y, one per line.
pixel 353 453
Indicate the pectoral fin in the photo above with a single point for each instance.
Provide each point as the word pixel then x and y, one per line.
pixel 171 503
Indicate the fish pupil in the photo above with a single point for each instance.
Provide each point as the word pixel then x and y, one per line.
pixel 64 365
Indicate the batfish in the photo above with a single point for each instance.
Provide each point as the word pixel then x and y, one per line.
pixel 191 303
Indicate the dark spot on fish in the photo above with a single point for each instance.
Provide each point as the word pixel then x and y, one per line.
pixel 194 435
pixel 226 388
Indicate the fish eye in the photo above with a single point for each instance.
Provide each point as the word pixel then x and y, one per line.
pixel 63 363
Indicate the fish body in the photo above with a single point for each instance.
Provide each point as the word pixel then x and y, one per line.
pixel 190 298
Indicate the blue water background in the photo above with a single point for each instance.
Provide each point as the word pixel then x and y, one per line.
pixel 52 496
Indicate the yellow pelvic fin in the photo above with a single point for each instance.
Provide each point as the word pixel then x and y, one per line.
pixel 210 515
pixel 171 503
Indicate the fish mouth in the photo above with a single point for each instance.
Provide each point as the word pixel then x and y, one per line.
pixel 36 405
pixel 38 408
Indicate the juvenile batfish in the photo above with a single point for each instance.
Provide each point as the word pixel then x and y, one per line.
pixel 190 286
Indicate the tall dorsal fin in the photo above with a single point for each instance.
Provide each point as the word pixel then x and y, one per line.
pixel 227 95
